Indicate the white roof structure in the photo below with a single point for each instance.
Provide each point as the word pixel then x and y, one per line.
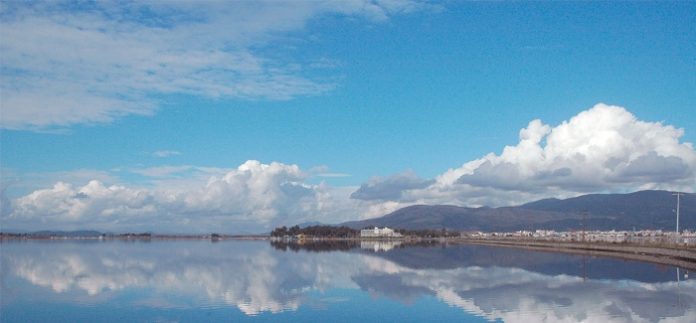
pixel 379 233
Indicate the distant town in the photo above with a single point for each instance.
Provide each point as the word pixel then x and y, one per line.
pixel 686 237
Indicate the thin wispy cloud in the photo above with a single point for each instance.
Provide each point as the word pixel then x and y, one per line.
pixel 165 153
pixel 324 171
pixel 164 171
pixel 66 64
pixel 16 182
pixel 333 175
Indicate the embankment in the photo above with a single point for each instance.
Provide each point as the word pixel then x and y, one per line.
pixel 673 256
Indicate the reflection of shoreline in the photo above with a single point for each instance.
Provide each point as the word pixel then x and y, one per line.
pixel 646 252
pixel 437 255
pixel 678 257
pixel 684 258
pixel 325 245
pixel 315 246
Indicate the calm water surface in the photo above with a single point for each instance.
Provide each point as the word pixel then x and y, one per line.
pixel 170 281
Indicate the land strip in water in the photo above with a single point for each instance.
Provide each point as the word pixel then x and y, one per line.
pixel 681 256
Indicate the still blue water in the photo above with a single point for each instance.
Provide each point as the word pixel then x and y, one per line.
pixel 200 281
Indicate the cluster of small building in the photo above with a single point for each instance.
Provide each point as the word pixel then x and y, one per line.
pixel 647 236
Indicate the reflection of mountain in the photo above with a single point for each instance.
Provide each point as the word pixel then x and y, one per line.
pixel 549 263
pixel 254 277
pixel 517 295
pixel 640 210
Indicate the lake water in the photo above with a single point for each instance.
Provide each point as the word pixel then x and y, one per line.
pixel 199 281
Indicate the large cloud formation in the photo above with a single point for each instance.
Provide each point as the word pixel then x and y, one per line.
pixel 591 151
pixel 254 196
pixel 605 148
pixel 602 149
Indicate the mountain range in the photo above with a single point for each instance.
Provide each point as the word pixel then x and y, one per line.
pixel 638 210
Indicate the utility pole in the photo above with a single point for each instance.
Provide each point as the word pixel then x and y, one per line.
pixel 678 194
pixel 584 225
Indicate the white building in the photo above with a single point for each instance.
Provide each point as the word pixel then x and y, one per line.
pixel 379 233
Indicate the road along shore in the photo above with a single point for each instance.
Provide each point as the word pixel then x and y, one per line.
pixel 673 256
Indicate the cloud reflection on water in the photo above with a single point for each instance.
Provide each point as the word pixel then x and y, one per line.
pixel 256 278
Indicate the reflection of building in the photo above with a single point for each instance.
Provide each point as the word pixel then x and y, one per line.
pixel 379 245
pixel 379 233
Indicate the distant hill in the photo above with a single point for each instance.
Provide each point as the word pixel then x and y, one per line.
pixel 309 224
pixel 642 210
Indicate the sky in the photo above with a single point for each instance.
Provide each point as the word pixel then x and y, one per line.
pixel 237 117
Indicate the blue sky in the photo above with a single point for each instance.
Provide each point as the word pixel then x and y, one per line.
pixel 385 95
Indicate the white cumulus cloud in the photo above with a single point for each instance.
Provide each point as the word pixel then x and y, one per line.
pixel 250 198
pixel 603 149
pixel 63 202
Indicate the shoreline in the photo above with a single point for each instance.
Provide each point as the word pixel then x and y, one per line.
pixel 673 256
pixel 134 237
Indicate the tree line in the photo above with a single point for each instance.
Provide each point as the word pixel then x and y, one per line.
pixel 325 231
pixel 428 233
